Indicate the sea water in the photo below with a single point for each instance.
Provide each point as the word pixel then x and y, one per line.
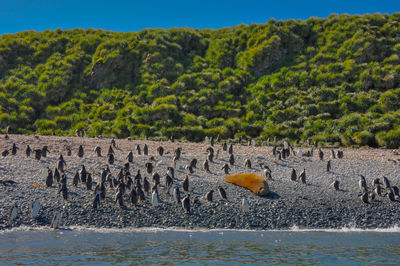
pixel 77 245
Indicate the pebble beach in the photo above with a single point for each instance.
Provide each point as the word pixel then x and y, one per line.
pixel 289 204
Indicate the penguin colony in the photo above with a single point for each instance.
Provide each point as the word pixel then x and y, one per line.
pixel 165 177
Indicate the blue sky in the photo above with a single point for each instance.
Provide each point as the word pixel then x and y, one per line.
pixel 119 15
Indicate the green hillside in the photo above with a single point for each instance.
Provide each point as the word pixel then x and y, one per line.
pixel 335 80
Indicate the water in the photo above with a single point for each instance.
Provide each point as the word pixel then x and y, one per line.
pixel 168 246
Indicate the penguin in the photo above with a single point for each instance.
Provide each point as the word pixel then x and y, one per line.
pixel 119 198
pixel 138 150
pixel 56 221
pixel 154 198
pixel 212 141
pixel 60 165
pixel 156 178
pixel 321 154
pixel 333 154
pixel 113 143
pixel 110 158
pixel 133 196
pixel 63 188
pixel 219 138
pixel 390 195
pixel 209 195
pixel 83 174
pixel 339 154
pixel 171 172
pixel 96 201
pixel 210 157
pixel 245 205
pixel 217 155
pixel 371 197
pixel 35 208
pixel 97 150
pixel 140 193
pixel 177 195
pixel 193 163
pixel 178 153
pixel 56 175
pixel 189 168
pixel 376 182
pixel 206 167
pixel 69 152
pixel 129 157
pixel 230 149
pixel 378 190
pixel 160 150
pixel 76 179
pixel 224 146
pixel 145 149
pixel 146 185
pixel 45 150
pixel 222 193
pixel 28 151
pixel 38 154
pixel 231 159
pixel 49 178
pixel 186 203
pixel 80 151
pixel 335 185
pixel 247 163
pixel 14 149
pixel 395 190
pixel 89 182
pixel 364 197
pixel 386 182
pixel 293 175
pixel 328 166
pixel 226 168
pixel 13 214
pixel 302 176
pixel 185 184
pixel 362 184
pixel 168 183
pixel 149 167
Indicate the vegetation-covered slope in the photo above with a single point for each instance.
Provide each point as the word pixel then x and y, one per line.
pixel 335 80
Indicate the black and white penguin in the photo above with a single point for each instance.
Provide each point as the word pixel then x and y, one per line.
pixel 186 203
pixel 156 178
pixel 168 183
pixel 149 167
pixel 209 195
pixel 231 159
pixel 222 193
pixel 206 166
pixel 45 150
pixel 226 168
pixel 119 198
pixel 245 205
pixel 97 150
pixel 14 149
pixel 96 201
pixel 129 157
pixel 138 150
pixel 56 221
pixel 293 175
pixel 81 152
pixel 133 196
pixel 247 163
pixel 302 176
pixel 185 184
pixel 146 185
pixel 13 214
pixel 335 185
pixel 154 198
pixel 28 151
pixel 83 174
pixel 145 149
pixel 160 150
pixel 38 154
pixel 89 182
pixel 111 158
pixel 193 163
pixel 35 208
pixel 362 184
pixel 49 178
pixel 328 166
pixel 76 179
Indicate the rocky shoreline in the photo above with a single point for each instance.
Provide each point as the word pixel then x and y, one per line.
pixel 290 203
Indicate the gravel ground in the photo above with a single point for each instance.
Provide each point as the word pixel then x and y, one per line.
pixel 290 203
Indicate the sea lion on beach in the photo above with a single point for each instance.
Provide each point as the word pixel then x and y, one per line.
pixel 293 175
pixel 226 168
pixel 247 163
pixel 28 151
pixel 222 193
pixel 81 152
pixel 209 195
pixel 185 184
pixel 186 203
pixel 97 150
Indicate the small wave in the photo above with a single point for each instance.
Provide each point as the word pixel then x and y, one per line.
pixel 294 228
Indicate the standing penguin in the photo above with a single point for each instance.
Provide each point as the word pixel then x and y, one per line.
pixel 321 154
pixel 96 201
pixel 133 196
pixel 49 178
pixel 230 149
pixel 119 198
pixel 328 166
pixel 97 150
pixel 149 167
pixel 14 149
pixel 89 182
pixel 111 158
pixel 75 180
pixel 80 151
pixel 302 176
pixel 362 184
pixel 28 151
pixel 129 157
pixel 160 150
pixel 245 205
pixel 226 168
pixel 185 184
pixel 138 150
pixel 63 188
pixel 168 183
pixel 38 154
pixel 83 174
pixel 13 214
pixel 231 159
pixel 177 194
pixel 145 149
pixel 154 198
pixel 293 175
pixel 209 195
pixel 186 203
pixel 247 163
pixel 45 150
pixel 35 208
pixel 335 185
pixel 146 185
pixel 206 166
pixel 222 193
